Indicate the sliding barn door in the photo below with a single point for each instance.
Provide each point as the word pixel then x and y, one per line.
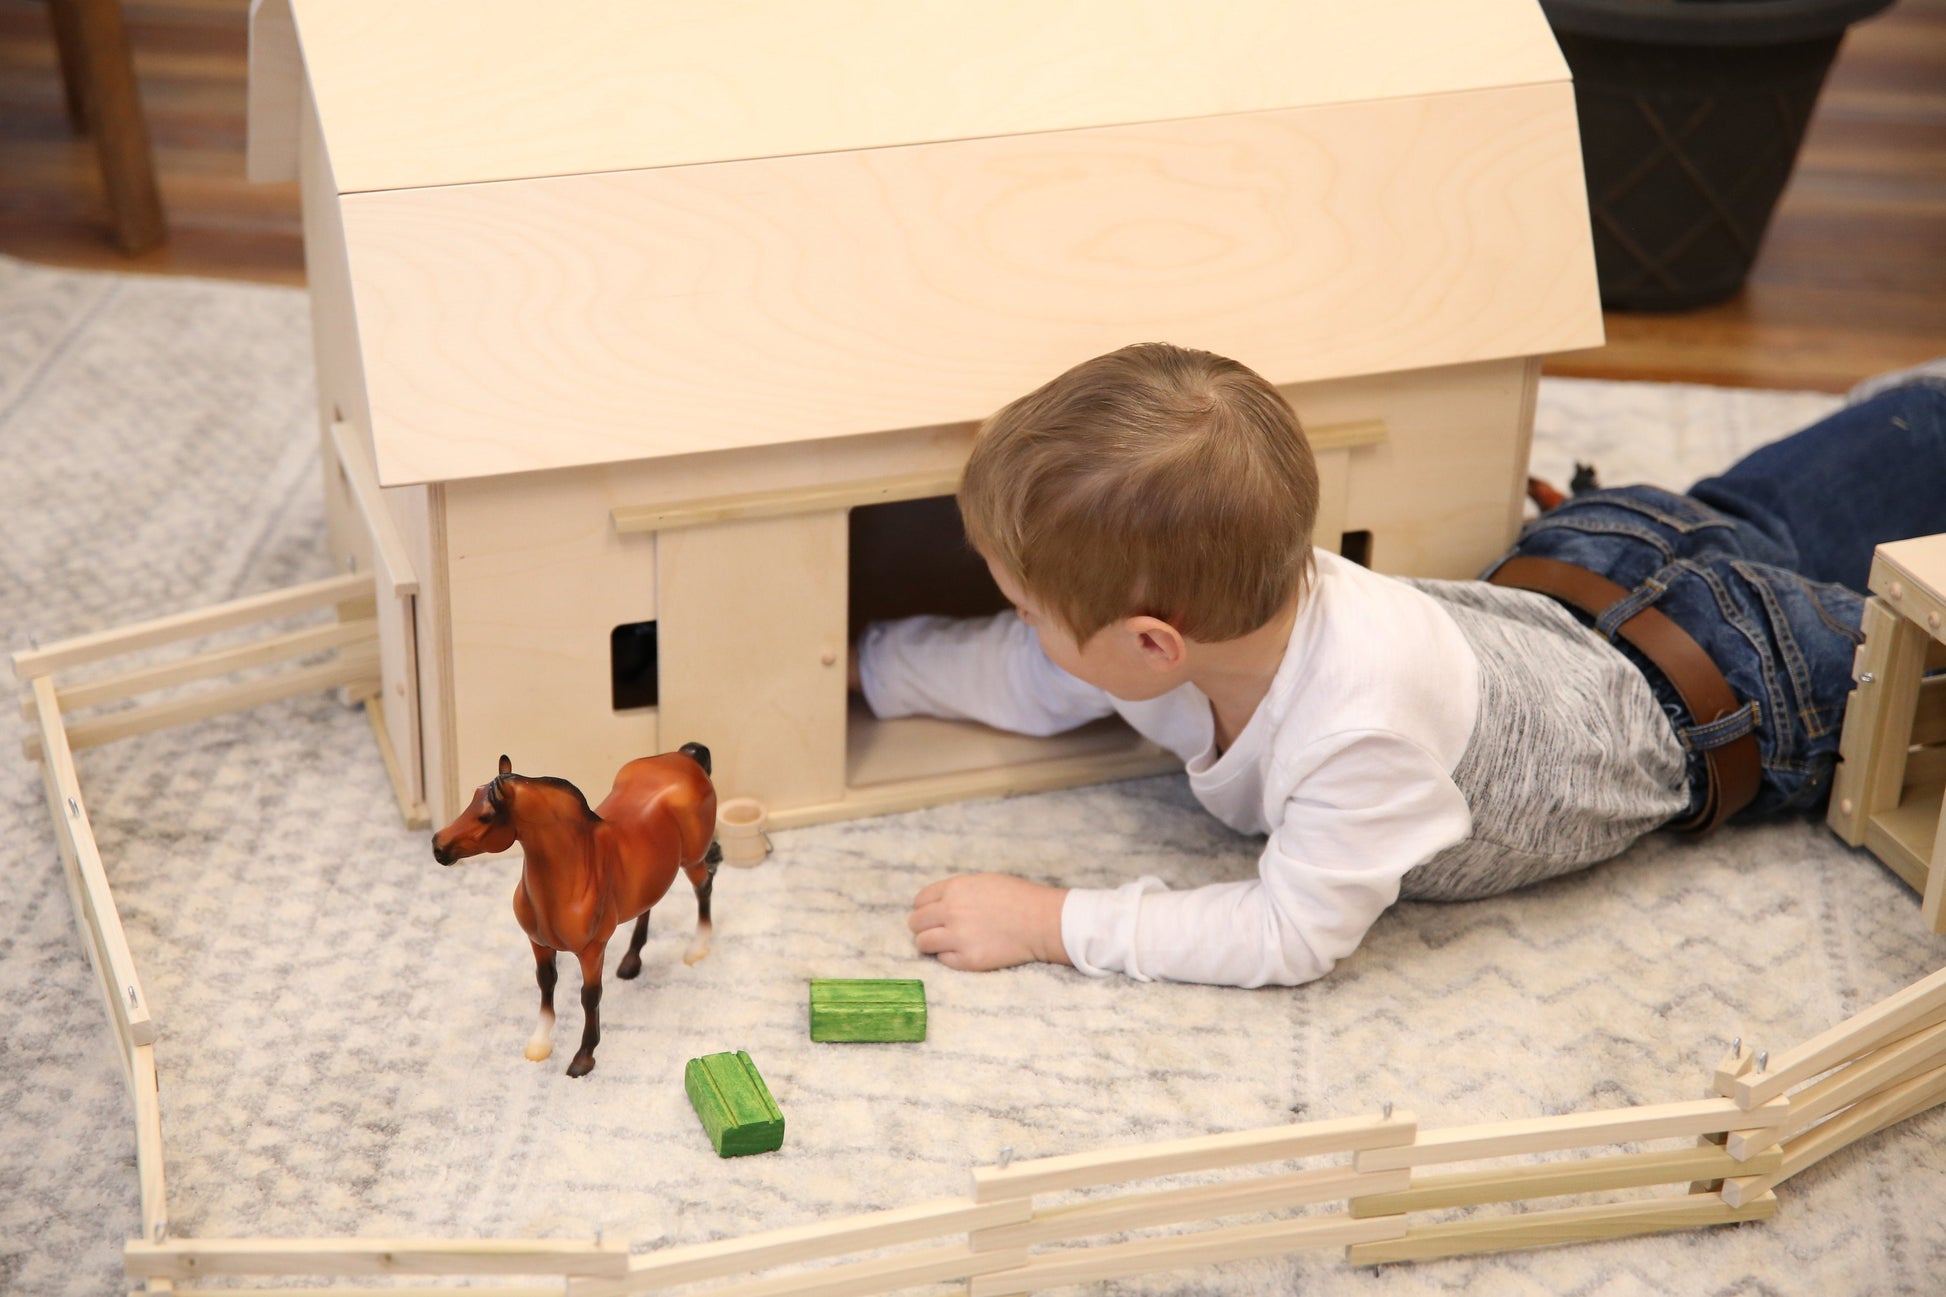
pixel 751 642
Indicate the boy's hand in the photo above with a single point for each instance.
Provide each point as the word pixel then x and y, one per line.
pixel 976 922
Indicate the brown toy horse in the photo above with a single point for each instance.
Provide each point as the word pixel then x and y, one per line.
pixel 587 872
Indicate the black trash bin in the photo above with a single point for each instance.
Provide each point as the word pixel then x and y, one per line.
pixel 1691 114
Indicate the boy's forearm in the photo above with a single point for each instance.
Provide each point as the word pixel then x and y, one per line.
pixel 985 669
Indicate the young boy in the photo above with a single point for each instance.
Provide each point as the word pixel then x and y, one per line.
pixel 1149 515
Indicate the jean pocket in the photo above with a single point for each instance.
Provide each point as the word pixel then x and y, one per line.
pixel 1816 629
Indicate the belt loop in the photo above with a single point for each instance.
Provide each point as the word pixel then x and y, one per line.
pixel 1610 619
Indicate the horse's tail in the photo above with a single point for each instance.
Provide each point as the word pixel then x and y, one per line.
pixel 698 753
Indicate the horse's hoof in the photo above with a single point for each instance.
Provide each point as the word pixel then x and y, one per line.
pixel 630 967
pixel 538 1051
pixel 695 955
pixel 582 1065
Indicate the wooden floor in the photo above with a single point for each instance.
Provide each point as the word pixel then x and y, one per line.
pixel 1851 279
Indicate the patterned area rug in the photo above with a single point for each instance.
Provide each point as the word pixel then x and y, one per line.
pixel 341 1020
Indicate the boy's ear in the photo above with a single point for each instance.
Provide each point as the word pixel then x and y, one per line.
pixel 1160 644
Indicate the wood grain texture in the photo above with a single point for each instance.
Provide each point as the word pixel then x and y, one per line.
pixel 1877 732
pixel 1868 1116
pixel 1893 1018
pixel 204 666
pixel 868 1009
pixel 194 1258
pixel 751 638
pixel 734 1104
pixel 1436 1191
pixel 1200 1153
pixel 186 626
pixel 1850 281
pixel 692 1263
pixel 1177 1251
pixel 539 577
pixel 510 90
pixel 1573 1130
pixel 601 318
pixel 148 1143
pixel 1202 1203
pixel 880 1275
pixel 1564 1225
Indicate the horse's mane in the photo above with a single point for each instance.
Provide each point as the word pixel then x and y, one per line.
pixel 553 782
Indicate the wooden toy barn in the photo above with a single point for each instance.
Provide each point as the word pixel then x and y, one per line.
pixel 651 336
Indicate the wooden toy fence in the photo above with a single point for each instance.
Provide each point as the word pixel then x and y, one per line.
pixel 1769 1117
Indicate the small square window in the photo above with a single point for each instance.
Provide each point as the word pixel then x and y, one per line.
pixel 632 665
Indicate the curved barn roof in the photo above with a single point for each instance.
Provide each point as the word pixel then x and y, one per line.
pixel 621 229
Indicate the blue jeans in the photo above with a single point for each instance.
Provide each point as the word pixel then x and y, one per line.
pixel 1765 566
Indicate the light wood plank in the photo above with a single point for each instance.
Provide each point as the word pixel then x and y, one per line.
pixel 667 1267
pixel 1929 718
pixel 1201 1153
pixel 1865 193
pixel 883 490
pixel 1036 775
pixel 1564 1225
pixel 883 1274
pixel 511 90
pixel 205 666
pixel 411 809
pixel 190 625
pixel 772 504
pixel 84 935
pixel 751 628
pixel 148 1145
pixel 354 667
pixel 1204 1247
pixel 355 458
pixel 339 1290
pixel 1573 1130
pixel 100 921
pixel 1431 1192
pixel 910 288
pixel 1867 1117
pixel 1735 1063
pixel 194 1258
pixel 907 749
pixel 1903 837
pixel 1897 1062
pixel 1199 1203
pixel 1878 722
pixel 1888 1020
pixel 1911 575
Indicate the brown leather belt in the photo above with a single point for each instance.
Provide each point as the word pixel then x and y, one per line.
pixel 1736 767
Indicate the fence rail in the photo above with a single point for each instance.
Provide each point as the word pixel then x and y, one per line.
pixel 1771 1119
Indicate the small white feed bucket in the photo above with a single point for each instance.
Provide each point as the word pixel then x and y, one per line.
pixel 740 831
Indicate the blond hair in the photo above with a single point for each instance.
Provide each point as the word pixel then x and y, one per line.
pixel 1153 480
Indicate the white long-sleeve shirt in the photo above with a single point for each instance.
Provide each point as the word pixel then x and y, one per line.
pixel 1347 765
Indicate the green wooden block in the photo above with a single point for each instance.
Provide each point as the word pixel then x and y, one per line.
pixel 853 1009
pixel 734 1103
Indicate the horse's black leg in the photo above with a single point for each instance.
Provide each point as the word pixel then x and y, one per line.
pixel 584 1058
pixel 632 962
pixel 541 1043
